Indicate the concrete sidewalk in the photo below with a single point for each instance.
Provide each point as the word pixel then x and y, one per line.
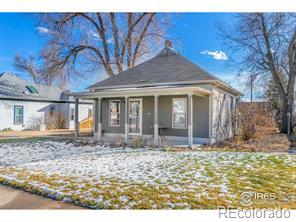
pixel 17 199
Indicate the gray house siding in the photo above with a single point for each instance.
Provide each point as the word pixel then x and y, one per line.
pixel 223 115
pixel 200 116
pixel 148 115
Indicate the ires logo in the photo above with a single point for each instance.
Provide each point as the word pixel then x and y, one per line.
pixel 248 198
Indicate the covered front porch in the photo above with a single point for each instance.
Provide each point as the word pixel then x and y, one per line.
pixel 158 115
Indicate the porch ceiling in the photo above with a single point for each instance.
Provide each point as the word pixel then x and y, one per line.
pixel 135 92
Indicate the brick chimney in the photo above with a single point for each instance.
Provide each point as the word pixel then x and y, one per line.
pixel 168 43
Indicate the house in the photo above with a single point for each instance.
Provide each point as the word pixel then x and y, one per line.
pixel 166 96
pixel 28 106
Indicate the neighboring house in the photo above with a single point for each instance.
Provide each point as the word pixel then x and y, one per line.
pixel 166 95
pixel 25 106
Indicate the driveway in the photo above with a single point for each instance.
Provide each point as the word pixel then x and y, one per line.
pixel 17 199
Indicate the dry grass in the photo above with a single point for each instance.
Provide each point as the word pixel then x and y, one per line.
pixel 32 134
pixel 267 143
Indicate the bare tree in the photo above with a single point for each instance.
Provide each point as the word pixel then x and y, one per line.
pixel 28 65
pixel 80 43
pixel 40 68
pixel 264 45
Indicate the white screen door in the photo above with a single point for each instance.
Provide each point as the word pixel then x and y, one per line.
pixel 135 116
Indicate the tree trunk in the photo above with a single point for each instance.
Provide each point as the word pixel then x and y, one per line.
pixel 292 73
pixel 287 115
pixel 284 118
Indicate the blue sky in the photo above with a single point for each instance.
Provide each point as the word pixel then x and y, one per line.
pixel 196 38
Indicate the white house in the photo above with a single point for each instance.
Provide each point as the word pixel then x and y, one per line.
pixel 25 106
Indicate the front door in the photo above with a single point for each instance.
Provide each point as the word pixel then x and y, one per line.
pixel 135 116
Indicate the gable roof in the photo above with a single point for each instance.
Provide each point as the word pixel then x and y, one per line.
pixel 166 68
pixel 13 87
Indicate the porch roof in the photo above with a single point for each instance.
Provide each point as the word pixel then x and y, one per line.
pixel 149 91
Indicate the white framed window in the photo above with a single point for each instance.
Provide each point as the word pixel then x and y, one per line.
pixel 18 115
pixel 179 113
pixel 114 113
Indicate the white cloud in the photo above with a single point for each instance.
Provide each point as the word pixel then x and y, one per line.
pixel 218 55
pixel 96 36
pixel 42 30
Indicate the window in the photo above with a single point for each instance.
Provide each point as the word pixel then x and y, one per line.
pixel 179 113
pixel 18 115
pixel 32 89
pixel 72 114
pixel 51 110
pixel 114 112
pixel 89 112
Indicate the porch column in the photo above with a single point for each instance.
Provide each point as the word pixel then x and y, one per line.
pixel 156 136
pixel 190 120
pixel 210 116
pixel 76 119
pixel 126 128
pixel 98 119
pixel 95 117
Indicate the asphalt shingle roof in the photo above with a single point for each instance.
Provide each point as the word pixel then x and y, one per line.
pixel 167 67
pixel 13 87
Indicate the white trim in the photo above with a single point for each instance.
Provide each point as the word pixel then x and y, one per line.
pixel 76 123
pixel 224 92
pixel 186 113
pixel 156 120
pixel 190 119
pixel 139 92
pixel 172 84
pixel 109 119
pixel 141 115
pixel 113 135
pixel 210 115
pixel 126 130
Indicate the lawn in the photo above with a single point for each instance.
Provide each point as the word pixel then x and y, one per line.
pixel 116 178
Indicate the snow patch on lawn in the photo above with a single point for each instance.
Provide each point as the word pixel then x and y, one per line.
pixel 18 153
pixel 104 177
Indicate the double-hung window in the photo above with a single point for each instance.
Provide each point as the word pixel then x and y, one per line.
pixel 18 115
pixel 114 113
pixel 179 113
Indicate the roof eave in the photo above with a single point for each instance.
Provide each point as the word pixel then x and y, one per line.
pixel 149 85
pixel 233 90
pixel 211 81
